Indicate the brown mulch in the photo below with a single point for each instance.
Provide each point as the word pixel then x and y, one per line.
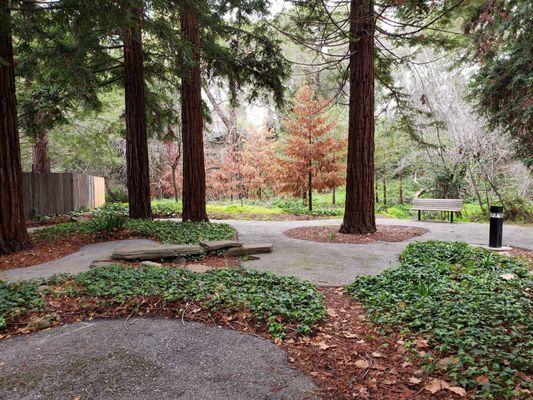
pixel 330 234
pixel 348 357
pixel 45 250
pixel 520 252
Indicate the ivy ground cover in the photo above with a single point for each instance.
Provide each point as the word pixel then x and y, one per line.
pixel 262 301
pixel 467 310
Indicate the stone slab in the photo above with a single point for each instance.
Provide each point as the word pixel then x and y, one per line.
pixel 150 264
pixel 214 245
pixel 247 249
pixel 157 252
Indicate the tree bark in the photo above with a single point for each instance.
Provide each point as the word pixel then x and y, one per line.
pixel 333 200
pixel 194 186
pixel 400 194
pixel 40 158
pixel 359 216
pixel 384 181
pixel 310 190
pixel 13 233
pixel 138 167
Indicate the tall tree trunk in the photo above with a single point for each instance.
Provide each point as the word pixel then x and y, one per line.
pixel 333 200
pixel 40 158
pixel 193 192
pixel 13 234
pixel 384 182
pixel 310 189
pixel 400 194
pixel 359 217
pixel 138 167
pixel 175 184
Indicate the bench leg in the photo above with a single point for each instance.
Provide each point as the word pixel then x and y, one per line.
pixel 451 217
pixel 419 214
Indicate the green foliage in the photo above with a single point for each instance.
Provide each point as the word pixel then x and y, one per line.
pixel 163 231
pixel 181 232
pixel 293 206
pixel 107 224
pixel 277 302
pixel 17 299
pixel 499 37
pixel 266 295
pixel 454 295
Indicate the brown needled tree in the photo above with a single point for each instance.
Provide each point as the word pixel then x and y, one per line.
pixel 136 132
pixel 13 234
pixel 359 217
pixel 193 194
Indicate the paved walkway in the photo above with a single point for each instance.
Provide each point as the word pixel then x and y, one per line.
pixel 327 264
pixel 146 359
pixel 334 264
pixel 71 264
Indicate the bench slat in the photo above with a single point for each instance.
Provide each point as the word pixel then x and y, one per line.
pixel 437 204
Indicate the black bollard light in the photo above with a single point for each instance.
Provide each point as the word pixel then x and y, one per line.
pixel 496 226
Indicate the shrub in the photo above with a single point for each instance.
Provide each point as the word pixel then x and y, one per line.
pixel 107 224
pixel 461 300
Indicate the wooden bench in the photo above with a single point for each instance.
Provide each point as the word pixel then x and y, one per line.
pixel 449 205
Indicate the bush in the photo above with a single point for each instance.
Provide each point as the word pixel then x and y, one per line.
pixel 454 295
pixel 107 224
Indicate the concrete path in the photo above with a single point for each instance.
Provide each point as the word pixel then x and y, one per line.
pixel 332 264
pixel 71 264
pixel 146 359
pixel 327 264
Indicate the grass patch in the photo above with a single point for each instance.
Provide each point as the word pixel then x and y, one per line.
pixel 170 232
pixel 279 303
pixel 454 296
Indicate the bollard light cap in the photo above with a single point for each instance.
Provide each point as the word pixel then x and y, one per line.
pixel 496 209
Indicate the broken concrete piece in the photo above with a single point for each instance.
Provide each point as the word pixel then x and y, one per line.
pixel 248 249
pixel 198 268
pixel 213 245
pixel 150 264
pixel 102 263
pixel 157 252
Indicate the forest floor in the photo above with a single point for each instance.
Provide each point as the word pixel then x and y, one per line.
pixel 136 357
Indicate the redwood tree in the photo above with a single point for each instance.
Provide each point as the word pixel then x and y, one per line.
pixel 13 234
pixel 138 175
pixel 359 214
pixel 193 193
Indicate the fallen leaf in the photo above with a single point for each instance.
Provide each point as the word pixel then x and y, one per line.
pixel 349 335
pixel 458 390
pixel 278 341
pixel 482 379
pixel 507 276
pixel 421 343
pixel 414 381
pixel 436 385
pixel 377 354
pixel 363 364
pixel 331 312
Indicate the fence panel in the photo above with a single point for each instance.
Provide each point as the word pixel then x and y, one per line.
pixel 59 193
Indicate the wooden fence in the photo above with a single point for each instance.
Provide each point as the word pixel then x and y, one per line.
pixel 59 193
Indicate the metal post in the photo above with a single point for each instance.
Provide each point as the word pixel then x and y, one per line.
pixel 496 226
pixel 419 214
pixel 451 217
